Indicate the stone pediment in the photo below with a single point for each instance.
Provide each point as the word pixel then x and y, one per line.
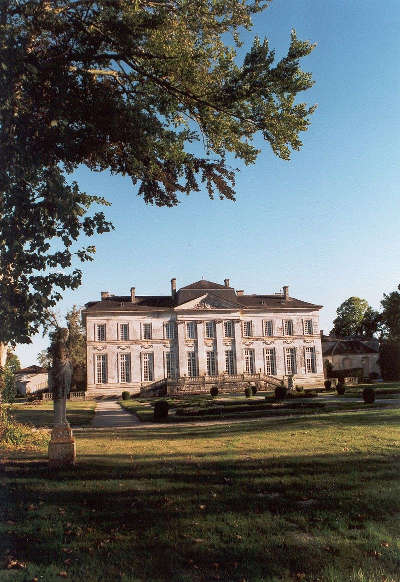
pixel 206 302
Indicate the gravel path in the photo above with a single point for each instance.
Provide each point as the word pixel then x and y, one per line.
pixel 109 414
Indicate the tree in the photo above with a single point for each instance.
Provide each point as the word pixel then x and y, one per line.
pixel 8 387
pixel 390 316
pixel 355 318
pixel 127 86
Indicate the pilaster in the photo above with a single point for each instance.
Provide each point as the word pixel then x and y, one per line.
pixel 239 348
pixel 201 349
pixel 219 336
pixel 181 362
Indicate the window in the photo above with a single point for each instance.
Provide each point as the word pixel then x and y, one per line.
pixel 101 369
pixel 268 329
pixel 290 360
pixel 210 329
pixel 228 328
pixel 100 332
pixel 123 331
pixel 230 362
pixel 170 365
pixel 288 327
pixel 308 327
pixel 249 361
pixel 124 368
pixel 147 331
pixel 270 362
pixel 247 328
pixel 148 367
pixel 170 330
pixel 211 364
pixel 192 365
pixel 310 360
pixel 191 330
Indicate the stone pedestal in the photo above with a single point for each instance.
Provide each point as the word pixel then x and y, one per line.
pixel 62 451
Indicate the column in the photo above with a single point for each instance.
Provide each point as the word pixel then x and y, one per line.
pixel 181 363
pixel 239 348
pixel 201 349
pixel 219 336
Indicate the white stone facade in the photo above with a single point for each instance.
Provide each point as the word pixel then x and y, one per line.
pixel 134 341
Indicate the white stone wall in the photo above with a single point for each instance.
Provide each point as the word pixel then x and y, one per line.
pixel 158 345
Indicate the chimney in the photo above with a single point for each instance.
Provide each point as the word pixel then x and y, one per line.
pixel 173 288
pixel 105 294
pixel 133 293
pixel 240 292
pixel 226 282
pixel 286 292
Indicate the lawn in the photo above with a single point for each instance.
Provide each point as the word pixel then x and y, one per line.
pixel 79 413
pixel 312 499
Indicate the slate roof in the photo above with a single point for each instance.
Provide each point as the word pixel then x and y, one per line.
pixel 194 291
pixel 346 347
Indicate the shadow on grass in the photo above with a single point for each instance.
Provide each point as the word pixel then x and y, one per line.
pixel 157 520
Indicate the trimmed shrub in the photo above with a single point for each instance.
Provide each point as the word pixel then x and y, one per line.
pixel 214 391
pixel 369 395
pixel 125 395
pixel 280 392
pixel 328 384
pixel 340 388
pixel 299 388
pixel 247 392
pixel 161 409
pixel 254 390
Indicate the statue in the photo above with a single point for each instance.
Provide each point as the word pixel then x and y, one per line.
pixel 62 444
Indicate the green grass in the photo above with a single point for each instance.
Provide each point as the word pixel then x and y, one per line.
pixel 79 413
pixel 312 499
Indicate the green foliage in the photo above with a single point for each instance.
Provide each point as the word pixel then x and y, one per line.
pixel 214 391
pixel 328 384
pixel 390 316
pixel 280 392
pixel 248 391
pixel 15 435
pixel 8 389
pixel 389 359
pixel 128 87
pixel 161 409
pixel 125 395
pixel 340 388
pixel 355 318
pixel 368 395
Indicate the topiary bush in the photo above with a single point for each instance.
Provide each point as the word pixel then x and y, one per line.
pixel 214 391
pixel 254 390
pixel 369 395
pixel 247 392
pixel 328 384
pixel 125 395
pixel 161 409
pixel 280 392
pixel 299 388
pixel 340 388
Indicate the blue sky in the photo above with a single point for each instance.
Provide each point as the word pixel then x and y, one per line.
pixel 325 223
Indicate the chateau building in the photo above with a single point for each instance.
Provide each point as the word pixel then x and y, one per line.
pixel 202 331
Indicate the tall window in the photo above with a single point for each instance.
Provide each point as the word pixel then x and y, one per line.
pixel 270 362
pixel 191 330
pixel 228 328
pixel 192 364
pixel 210 329
pixel 123 331
pixel 101 369
pixel 249 361
pixel 268 330
pixel 147 331
pixel 148 367
pixel 310 360
pixel 248 328
pixel 288 327
pixel 170 330
pixel 170 365
pixel 124 368
pixel 230 362
pixel 290 360
pixel 100 332
pixel 308 327
pixel 211 364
